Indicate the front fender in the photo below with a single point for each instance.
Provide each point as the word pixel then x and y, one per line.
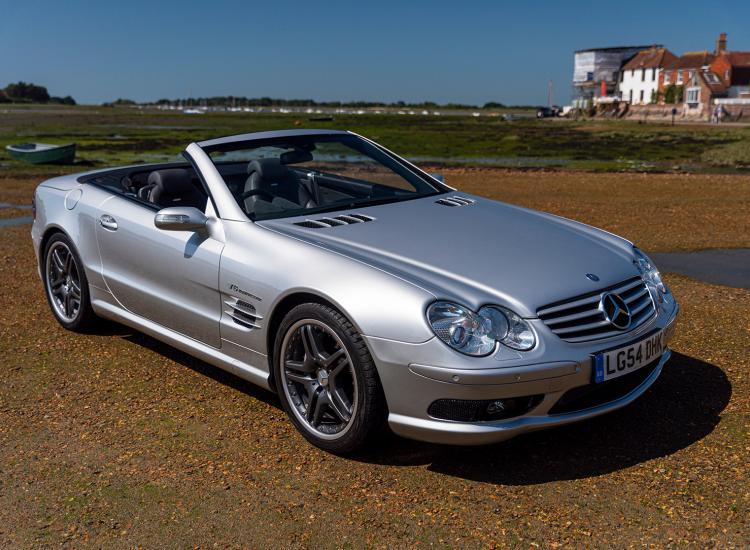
pixel 263 267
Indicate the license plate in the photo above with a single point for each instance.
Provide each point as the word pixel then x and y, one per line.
pixel 621 361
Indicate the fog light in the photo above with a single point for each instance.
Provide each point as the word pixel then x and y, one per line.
pixel 495 407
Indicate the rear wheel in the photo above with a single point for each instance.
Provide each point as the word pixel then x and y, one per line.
pixel 66 285
pixel 326 379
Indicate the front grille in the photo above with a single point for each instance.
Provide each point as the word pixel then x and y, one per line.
pixel 580 319
pixel 593 395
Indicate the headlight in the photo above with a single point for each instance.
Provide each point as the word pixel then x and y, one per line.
pixel 650 275
pixel 517 334
pixel 478 333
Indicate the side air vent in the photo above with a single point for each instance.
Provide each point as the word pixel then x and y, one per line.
pixel 455 201
pixel 344 219
pixel 243 313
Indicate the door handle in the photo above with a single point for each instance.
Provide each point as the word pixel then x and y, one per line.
pixel 108 222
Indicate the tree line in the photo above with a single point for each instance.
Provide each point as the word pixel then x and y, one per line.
pixel 25 92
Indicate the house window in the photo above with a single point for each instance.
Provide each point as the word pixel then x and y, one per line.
pixel 632 73
pixel 711 77
pixel 631 97
pixel 666 77
pixel 643 75
pixel 653 75
pixel 641 96
pixel 693 95
pixel 589 77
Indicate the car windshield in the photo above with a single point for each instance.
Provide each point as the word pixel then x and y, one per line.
pixel 300 175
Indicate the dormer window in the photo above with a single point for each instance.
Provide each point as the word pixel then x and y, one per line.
pixel 711 77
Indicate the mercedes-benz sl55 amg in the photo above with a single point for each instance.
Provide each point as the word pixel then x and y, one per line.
pixel 359 288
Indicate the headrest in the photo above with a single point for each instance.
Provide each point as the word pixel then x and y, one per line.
pixel 268 169
pixel 173 181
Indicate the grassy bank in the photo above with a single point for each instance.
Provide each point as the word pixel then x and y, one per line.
pixel 116 135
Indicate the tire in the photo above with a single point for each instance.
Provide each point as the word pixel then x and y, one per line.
pixel 66 281
pixel 318 352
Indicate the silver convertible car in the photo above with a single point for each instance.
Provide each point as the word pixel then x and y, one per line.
pixel 361 289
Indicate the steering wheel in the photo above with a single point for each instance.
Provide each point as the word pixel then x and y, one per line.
pixel 254 192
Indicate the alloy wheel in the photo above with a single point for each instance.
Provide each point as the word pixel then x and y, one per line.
pixel 319 379
pixel 63 281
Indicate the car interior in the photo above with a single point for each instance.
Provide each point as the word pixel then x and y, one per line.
pixel 289 181
pixel 262 187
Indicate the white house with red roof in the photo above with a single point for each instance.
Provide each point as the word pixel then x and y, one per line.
pixel 639 77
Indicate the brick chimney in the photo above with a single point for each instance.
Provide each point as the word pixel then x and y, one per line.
pixel 721 44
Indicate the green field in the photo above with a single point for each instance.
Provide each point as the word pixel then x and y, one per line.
pixel 117 135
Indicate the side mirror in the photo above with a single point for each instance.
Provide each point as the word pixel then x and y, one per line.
pixel 438 176
pixel 180 218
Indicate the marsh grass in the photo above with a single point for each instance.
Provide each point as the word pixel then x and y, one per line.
pixel 110 136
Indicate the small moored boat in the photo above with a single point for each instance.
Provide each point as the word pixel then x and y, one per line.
pixel 43 153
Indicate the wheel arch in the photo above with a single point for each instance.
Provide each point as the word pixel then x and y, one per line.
pixel 49 232
pixel 286 304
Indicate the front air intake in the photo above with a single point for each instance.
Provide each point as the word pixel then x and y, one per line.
pixel 485 410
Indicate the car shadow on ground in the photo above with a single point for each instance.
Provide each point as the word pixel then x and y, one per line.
pixel 107 328
pixel 681 408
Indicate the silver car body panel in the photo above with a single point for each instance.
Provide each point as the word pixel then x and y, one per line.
pixel 216 294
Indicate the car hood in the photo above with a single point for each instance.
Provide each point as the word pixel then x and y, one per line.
pixel 479 253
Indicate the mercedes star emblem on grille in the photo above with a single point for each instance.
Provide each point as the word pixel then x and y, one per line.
pixel 615 310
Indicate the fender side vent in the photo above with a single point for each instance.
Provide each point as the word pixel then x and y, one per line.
pixel 454 201
pixel 242 313
pixel 344 219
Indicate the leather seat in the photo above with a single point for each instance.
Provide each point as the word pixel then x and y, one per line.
pixel 174 187
pixel 279 182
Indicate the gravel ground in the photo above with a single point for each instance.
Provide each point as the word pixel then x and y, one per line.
pixel 674 211
pixel 112 439
pixel 9 213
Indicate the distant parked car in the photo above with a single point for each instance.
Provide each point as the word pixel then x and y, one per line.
pixel 548 112
pixel 322 266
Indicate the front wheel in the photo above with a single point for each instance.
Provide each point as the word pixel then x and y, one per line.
pixel 326 379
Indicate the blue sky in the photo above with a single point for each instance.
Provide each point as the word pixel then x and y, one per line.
pixel 470 51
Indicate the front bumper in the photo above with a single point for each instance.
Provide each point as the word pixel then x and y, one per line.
pixel 416 375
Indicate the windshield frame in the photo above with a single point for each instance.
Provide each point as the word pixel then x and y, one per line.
pixel 402 168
